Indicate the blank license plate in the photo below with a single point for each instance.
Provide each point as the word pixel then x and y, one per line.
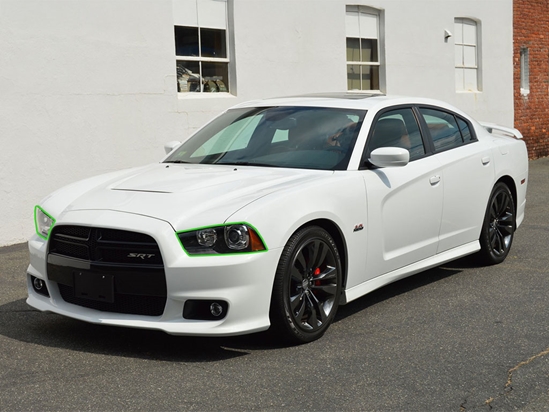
pixel 94 286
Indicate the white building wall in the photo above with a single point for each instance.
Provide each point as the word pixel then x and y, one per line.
pixel 89 86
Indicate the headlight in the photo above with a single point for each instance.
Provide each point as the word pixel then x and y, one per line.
pixel 217 240
pixel 42 222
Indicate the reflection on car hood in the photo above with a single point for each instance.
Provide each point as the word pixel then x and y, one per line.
pixel 190 195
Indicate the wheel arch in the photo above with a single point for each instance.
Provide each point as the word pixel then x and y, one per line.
pixel 510 183
pixel 335 232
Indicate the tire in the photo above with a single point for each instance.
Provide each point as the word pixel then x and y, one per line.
pixel 499 225
pixel 307 287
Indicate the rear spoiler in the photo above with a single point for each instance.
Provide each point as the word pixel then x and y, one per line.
pixel 501 130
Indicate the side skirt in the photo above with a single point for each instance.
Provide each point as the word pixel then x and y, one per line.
pixel 382 280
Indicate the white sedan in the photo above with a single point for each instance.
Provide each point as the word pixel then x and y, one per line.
pixel 277 212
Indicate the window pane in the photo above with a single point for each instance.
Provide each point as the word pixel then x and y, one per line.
pixel 353 77
pixel 188 76
pixel 469 32
pixel 213 43
pixel 234 137
pixel 248 136
pixel 469 56
pixel 368 25
pixel 470 79
pixel 353 49
pixel 458 31
pixel 216 77
pixel 459 55
pixel 370 77
pixel 186 41
pixel 369 50
pixel 212 14
pixel 443 128
pixel 280 136
pixel 398 128
pixel 465 132
pixel 524 70
pixel 351 22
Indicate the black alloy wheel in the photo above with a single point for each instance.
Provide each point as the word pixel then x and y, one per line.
pixel 307 286
pixel 499 226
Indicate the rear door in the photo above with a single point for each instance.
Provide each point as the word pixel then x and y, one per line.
pixel 467 172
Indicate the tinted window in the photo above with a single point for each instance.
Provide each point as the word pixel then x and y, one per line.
pixel 397 128
pixel 296 137
pixel 443 128
pixel 465 131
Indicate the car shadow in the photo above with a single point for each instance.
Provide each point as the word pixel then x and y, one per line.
pixel 20 322
pixel 405 285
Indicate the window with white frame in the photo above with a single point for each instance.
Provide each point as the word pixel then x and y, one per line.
pixel 524 71
pixel 363 48
pixel 466 35
pixel 201 45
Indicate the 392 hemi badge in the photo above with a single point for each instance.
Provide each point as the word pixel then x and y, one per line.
pixel 141 255
pixel 358 227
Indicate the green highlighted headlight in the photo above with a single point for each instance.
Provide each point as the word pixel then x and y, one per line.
pixel 206 237
pixel 43 222
pixel 218 240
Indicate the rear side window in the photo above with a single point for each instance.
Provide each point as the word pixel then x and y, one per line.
pixel 465 131
pixel 443 128
pixel 447 129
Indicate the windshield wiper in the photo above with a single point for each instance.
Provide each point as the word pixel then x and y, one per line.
pixel 248 164
pixel 176 161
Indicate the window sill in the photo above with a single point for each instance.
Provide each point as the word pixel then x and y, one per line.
pixel 356 91
pixel 193 96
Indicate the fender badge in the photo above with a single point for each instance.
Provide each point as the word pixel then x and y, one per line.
pixel 358 227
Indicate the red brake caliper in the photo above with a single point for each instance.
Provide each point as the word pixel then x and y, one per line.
pixel 316 273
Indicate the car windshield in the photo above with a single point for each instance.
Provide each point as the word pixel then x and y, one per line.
pixel 294 137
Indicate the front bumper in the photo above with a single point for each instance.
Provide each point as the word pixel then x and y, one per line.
pixel 243 281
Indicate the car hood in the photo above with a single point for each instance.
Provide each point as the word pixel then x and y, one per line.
pixel 188 196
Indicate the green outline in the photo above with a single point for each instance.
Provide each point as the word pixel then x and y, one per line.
pixel 221 254
pixel 36 223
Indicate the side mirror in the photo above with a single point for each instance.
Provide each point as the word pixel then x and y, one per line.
pixel 168 147
pixel 390 157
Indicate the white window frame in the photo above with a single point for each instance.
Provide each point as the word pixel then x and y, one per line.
pixel 196 8
pixel 466 46
pixel 366 10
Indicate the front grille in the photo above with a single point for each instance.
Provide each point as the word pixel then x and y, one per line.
pixel 132 259
pixel 105 245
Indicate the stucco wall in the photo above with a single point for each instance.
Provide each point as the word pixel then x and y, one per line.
pixel 89 86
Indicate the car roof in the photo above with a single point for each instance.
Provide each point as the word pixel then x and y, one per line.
pixel 347 100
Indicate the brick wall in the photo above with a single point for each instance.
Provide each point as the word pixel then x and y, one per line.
pixel 531 30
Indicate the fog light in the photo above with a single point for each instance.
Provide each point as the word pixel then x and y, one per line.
pixel 216 309
pixel 38 284
pixel 205 309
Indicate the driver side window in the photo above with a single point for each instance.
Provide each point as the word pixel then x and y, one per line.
pixel 397 128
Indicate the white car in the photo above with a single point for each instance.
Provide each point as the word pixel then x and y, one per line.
pixel 277 212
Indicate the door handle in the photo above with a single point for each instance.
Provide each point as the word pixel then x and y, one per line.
pixel 485 160
pixel 434 180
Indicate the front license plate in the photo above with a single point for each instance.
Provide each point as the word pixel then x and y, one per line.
pixel 94 286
